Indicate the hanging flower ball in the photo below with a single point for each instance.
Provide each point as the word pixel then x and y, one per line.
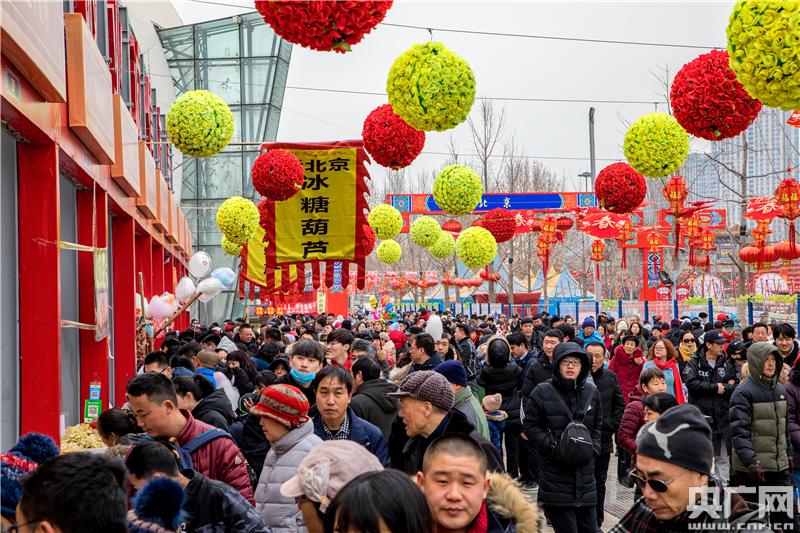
pixel 385 221
pixel 425 231
pixel 476 247
pixel 708 100
pixel 764 47
pixel 369 239
pixel 457 189
pixel 444 246
pixel 431 88
pixel 619 188
pixel 199 123
pixel 262 213
pixel 389 252
pixel 277 174
pixel 389 140
pixel 230 248
pixel 238 219
pixel 322 24
pixel 656 145
pixel 500 223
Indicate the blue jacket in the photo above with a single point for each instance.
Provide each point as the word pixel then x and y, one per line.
pixel 363 433
pixel 594 337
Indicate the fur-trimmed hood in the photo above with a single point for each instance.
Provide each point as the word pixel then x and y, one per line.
pixel 507 500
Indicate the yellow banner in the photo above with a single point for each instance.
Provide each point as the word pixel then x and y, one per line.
pixel 256 261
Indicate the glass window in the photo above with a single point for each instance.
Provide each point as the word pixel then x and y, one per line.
pixel 272 126
pixel 189 188
pixel 279 85
pixel 237 124
pixel 182 76
pixel 258 39
pixel 220 176
pixel 258 75
pixel 218 39
pixel 178 42
pixel 248 190
pixel 255 119
pixel 221 77
pixel 102 27
pixel 286 50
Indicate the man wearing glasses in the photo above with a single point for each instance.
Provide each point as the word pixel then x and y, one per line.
pixel 673 469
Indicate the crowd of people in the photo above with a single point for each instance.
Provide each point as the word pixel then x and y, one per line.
pixel 432 422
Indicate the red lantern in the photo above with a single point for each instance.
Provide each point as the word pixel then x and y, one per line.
pixel 654 243
pixel 761 232
pixel 489 276
pixel 787 251
pixel 598 248
pixel 675 192
pixel 623 236
pixel 277 174
pixel 564 223
pixel 452 226
pixel 749 254
pixel 500 223
pixel 619 188
pixel 390 140
pixel 787 196
pixel 692 227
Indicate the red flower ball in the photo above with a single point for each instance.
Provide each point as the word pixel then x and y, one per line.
pixel 369 239
pixel 389 140
pixel 708 101
pixel 323 25
pixel 277 174
pixel 262 211
pixel 500 223
pixel 619 188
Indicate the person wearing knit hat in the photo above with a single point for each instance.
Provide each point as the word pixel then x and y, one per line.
pixel 284 419
pixel 587 333
pixel 157 507
pixel 426 408
pixel 463 398
pixel 28 453
pixel 675 457
pixel 495 418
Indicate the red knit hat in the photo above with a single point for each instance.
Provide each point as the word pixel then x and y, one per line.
pixel 283 403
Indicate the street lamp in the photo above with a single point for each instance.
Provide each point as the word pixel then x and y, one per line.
pixel 588 176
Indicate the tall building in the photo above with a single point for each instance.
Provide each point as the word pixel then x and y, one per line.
pixel 243 61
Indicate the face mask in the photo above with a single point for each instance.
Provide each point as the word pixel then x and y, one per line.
pixel 303 378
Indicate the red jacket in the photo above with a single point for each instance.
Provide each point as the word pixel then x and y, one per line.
pixel 220 459
pixel 627 370
pixel 632 421
pixel 398 338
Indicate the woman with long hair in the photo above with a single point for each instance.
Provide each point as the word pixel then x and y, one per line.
pixel 688 347
pixel 664 356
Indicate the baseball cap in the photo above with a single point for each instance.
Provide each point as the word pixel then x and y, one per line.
pixel 714 336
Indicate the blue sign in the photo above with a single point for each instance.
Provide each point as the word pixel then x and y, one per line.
pixel 516 201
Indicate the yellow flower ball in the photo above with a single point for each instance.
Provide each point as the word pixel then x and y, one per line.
pixel 444 246
pixel 238 219
pixel 230 248
pixel 385 221
pixel 425 231
pixel 476 247
pixel 656 145
pixel 457 189
pixel 199 123
pixel 389 252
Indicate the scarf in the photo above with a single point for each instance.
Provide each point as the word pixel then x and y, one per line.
pixel 686 352
pixel 481 522
pixel 672 364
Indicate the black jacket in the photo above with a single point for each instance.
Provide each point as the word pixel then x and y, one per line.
pixel 469 357
pixel 538 372
pixel 215 409
pixel 371 403
pixel 250 439
pixel 545 420
pixel 792 357
pixel 454 422
pixel 701 380
pixel 241 381
pixel 505 381
pixel 214 507
pixel 613 405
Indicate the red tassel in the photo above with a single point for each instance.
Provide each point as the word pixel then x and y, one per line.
pixel 345 275
pixel 597 270
pixel 241 288
pixel 624 258
pixel 691 255
pixel 677 236
pixel 792 232
pixel 329 274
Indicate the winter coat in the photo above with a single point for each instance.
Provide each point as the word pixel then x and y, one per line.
pixel 504 380
pixel 701 380
pixel 215 409
pixel 241 381
pixel 371 403
pixel 467 404
pixel 214 507
pixel 453 422
pixel 246 431
pixel 758 419
pixel 793 415
pixel 613 405
pixel 219 459
pixel 540 371
pixel 280 512
pixel 361 432
pixel 309 392
pixel 545 420
pixel 469 357
pixel 626 369
pixel 632 421
pixel 671 378
pixel 792 357
pixel 594 337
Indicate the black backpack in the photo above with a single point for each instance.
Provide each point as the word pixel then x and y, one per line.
pixel 575 447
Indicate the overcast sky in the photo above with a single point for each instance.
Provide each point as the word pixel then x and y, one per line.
pixel 507 67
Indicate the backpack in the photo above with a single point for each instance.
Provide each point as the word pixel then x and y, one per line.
pixel 575 447
pixel 184 453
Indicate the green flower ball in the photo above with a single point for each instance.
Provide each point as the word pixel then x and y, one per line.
pixel 656 145
pixel 238 219
pixel 764 49
pixel 199 123
pixel 389 252
pixel 230 248
pixel 444 246
pixel 425 231
pixel 430 87
pixel 385 221
pixel 457 189
pixel 476 247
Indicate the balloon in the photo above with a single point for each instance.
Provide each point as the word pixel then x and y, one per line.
pixel 210 287
pixel 199 264
pixel 203 298
pixel 225 275
pixel 185 289
pixel 160 308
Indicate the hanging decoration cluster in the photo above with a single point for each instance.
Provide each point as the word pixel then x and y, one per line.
pixel 430 87
pixel 230 248
pixel 619 188
pixel 475 247
pixel 457 189
pixel 708 101
pixel 787 196
pixel 656 145
pixel 385 221
pixel 425 231
pixel 765 50
pixel 444 246
pixel 500 222
pixel 390 140
pixel 389 252
pixel 277 174
pixel 238 219
pixel 323 25
pixel 199 123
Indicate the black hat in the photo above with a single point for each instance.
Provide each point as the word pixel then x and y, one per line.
pixel 714 336
pixel 681 436
pixel 735 350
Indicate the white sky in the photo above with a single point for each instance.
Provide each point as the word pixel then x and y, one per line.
pixel 506 67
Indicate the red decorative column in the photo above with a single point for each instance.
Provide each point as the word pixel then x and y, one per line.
pixel 122 232
pixel 158 281
pixel 144 263
pixel 39 289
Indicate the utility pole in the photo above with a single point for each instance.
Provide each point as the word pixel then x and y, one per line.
pixel 593 172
